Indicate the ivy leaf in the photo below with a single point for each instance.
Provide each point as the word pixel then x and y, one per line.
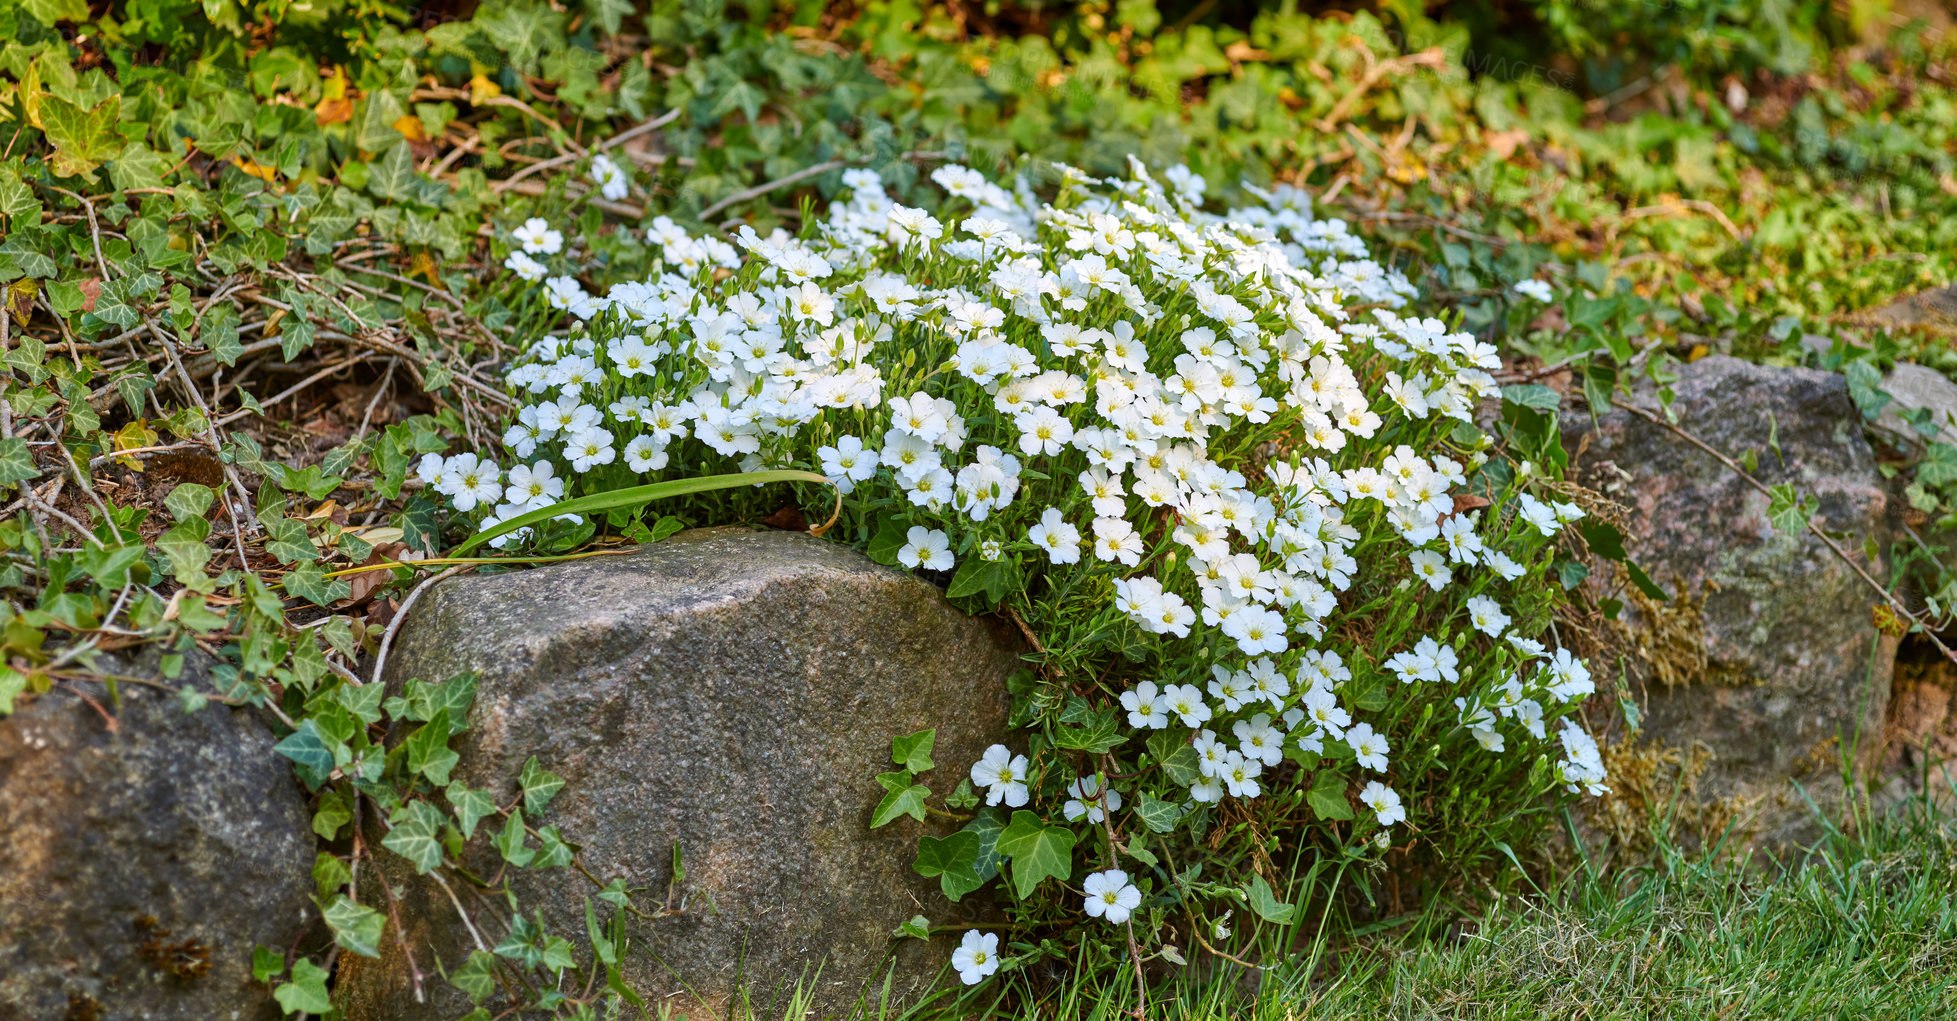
pixel 356 927
pixel 1037 851
pixel 471 806
pixel 919 927
pixel 1098 736
pixel 1789 510
pixel 905 798
pixel 1327 796
pixel 914 751
pixel 428 750
pixel 510 841
pixel 477 976
pixel 306 993
pixel 1158 815
pixel 553 851
pixel 286 539
pixel 82 138
pixel 189 500
pixel 539 786
pixel 309 582
pixel 417 836
pixel 953 860
pixel 16 461
pixel 309 751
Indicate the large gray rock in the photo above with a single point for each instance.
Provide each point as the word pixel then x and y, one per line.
pixel 1911 388
pixel 735 692
pixel 140 866
pixel 1788 661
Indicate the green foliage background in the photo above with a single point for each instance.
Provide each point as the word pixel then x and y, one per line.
pixel 204 201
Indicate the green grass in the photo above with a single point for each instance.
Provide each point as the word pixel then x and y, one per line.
pixel 1861 925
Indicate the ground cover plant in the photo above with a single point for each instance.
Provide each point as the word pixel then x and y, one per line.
pixel 259 261
pixel 1241 507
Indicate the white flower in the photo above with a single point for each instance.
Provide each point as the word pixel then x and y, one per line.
pixel 1258 740
pixel 1368 746
pixel 525 267
pixel 977 956
pixel 1185 702
pixel 1146 707
pixel 1535 290
pixel 1384 803
pixel 1116 539
pixel 611 180
pixel 1053 534
pixel 537 237
pixel 1429 567
pixel 1486 615
pixel 1087 799
pixel 535 485
pixel 1239 775
pixel 847 463
pixel 1111 896
pixel 471 482
pixel 927 548
pixel 644 454
pixel 588 448
pixel 1003 775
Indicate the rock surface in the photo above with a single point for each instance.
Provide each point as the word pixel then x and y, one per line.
pixel 735 692
pixel 1910 387
pixel 121 856
pixel 1791 659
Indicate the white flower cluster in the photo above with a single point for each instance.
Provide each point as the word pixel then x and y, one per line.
pixel 956 365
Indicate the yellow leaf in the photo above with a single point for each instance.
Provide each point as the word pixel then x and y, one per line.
pixel 20 296
pixel 335 105
pixel 134 436
pixel 482 90
pixel 410 128
pixel 258 170
pixel 423 264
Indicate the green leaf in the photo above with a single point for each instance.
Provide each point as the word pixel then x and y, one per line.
pixel 636 497
pixel 913 752
pixel 1327 796
pixel 1100 735
pixel 333 813
pixel 553 851
pixel 189 500
pixel 977 575
pixel 1532 395
pixel 1790 510
pixel 306 993
pixel 539 786
pixel 1037 851
pixel 510 841
pixel 16 461
pixel 477 976
pixel 309 582
pixel 953 860
pixel 310 751
pixel 82 138
pixel 417 836
pixel 329 874
pixel 471 806
pixel 1158 815
pixel 286 539
pixel 428 750
pixel 904 798
pixel 919 927
pixel 356 927
pixel 889 539
pixel 1266 904
pixel 266 965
